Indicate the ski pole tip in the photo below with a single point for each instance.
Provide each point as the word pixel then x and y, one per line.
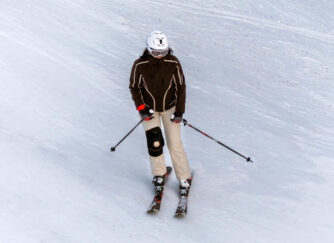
pixel 249 160
pixel 113 149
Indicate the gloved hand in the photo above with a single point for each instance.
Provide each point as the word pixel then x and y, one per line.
pixel 177 117
pixel 145 112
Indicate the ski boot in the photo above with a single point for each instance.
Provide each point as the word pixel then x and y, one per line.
pixel 185 187
pixel 158 182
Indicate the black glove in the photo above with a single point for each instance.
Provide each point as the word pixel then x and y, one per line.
pixel 177 117
pixel 145 112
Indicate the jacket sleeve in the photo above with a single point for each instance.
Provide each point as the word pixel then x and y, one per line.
pixel 135 82
pixel 180 88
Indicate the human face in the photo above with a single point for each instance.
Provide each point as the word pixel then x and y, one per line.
pixel 159 53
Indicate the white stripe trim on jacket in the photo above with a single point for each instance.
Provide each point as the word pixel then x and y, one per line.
pixel 145 86
pixel 175 89
pixel 170 85
pixel 141 94
pixel 134 72
pixel 178 70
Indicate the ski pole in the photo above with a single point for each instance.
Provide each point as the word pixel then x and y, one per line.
pixel 114 148
pixel 185 122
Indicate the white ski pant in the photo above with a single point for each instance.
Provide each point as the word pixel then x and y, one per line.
pixel 173 139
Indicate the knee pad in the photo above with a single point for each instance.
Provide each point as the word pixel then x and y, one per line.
pixel 155 141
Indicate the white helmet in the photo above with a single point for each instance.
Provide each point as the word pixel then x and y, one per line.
pixel 157 42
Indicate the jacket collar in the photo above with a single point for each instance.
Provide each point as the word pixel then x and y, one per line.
pixel 156 61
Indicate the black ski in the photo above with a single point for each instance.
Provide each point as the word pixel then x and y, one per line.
pixel 155 205
pixel 183 203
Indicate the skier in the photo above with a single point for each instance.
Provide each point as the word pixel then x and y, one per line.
pixel 158 90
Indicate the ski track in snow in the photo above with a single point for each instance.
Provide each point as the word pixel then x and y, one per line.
pixel 248 20
pixel 64 101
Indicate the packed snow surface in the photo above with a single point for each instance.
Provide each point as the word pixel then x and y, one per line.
pixel 259 77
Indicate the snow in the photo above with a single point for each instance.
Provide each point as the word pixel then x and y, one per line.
pixel 259 78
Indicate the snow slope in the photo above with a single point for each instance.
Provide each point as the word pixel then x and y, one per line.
pixel 259 77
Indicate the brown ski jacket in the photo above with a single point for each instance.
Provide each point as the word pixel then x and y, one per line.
pixel 158 83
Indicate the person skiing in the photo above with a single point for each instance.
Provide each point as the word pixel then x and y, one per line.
pixel 158 89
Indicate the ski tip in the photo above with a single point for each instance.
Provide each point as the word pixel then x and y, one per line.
pixel 180 215
pixel 152 211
